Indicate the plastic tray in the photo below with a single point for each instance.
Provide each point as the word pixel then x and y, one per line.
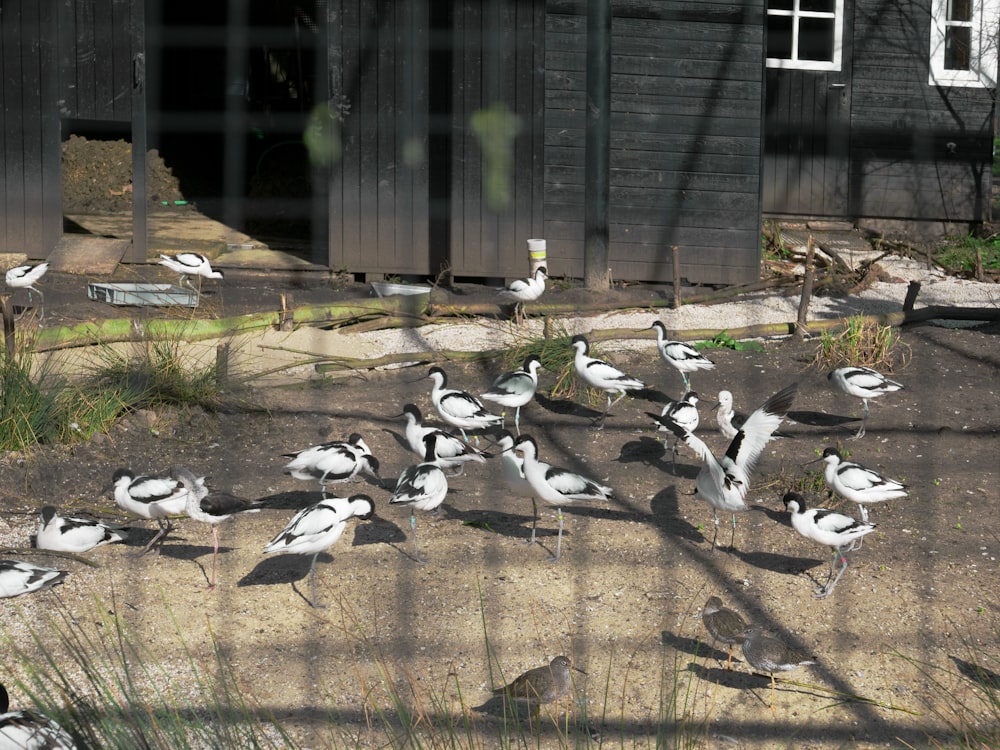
pixel 142 294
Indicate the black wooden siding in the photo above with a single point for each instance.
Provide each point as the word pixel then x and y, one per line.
pixel 408 197
pixel 901 163
pixel 685 143
pixel 30 215
pixel 909 150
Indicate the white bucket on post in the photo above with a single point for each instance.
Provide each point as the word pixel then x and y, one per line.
pixel 536 255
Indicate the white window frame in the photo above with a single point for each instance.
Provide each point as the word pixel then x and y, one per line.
pixel 985 27
pixel 838 39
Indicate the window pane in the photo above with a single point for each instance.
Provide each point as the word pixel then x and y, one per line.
pixel 816 39
pixel 779 37
pixel 957 47
pixel 959 10
pixel 819 6
pixel 781 5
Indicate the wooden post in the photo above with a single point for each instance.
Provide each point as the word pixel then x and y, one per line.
pixel 802 321
pixel 676 251
pixel 597 146
pixel 8 326
pixel 911 295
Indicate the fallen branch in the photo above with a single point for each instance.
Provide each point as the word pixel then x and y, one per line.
pixel 763 330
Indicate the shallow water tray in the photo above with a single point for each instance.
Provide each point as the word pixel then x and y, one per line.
pixel 142 294
pixel 388 288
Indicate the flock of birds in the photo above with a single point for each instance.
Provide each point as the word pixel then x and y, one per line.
pixel 723 480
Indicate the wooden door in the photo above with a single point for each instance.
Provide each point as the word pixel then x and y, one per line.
pixel 807 108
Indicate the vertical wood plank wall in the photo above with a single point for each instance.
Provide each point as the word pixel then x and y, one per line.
pixel 901 163
pixel 30 220
pixel 410 158
pixel 686 88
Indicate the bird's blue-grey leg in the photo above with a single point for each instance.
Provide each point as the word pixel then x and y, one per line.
pixel 864 420
pixel 316 603
pixel 517 421
pixel 715 519
pixel 413 530
pixel 732 538
pixel 687 382
pixel 831 585
pixel 864 514
pixel 558 554
pixel 534 521
pixel 158 537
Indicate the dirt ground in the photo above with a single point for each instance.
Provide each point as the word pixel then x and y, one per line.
pixel 623 602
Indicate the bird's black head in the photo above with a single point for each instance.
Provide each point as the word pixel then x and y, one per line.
pixel 522 440
pixel 658 326
pixel 364 499
pixel 412 411
pixel 354 438
pixel 831 451
pixel 48 513
pixel 119 473
pixel 794 498
pixel 437 371
pixel 529 359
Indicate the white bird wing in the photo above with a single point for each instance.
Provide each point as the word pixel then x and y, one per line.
pixel 599 371
pixel 572 486
pixel 461 405
pixel 684 353
pixel 309 523
pixel 419 482
pixel 833 522
pixel 757 431
pixel 862 479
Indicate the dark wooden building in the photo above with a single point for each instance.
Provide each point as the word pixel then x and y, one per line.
pixel 461 125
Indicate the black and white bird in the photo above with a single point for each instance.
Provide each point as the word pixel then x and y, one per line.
pixel 680 355
pixel 864 383
pixel 191 264
pixel 729 421
pixel 450 451
pixel 766 653
pixel 555 486
pixel 459 409
pixel 68 534
pixel 317 528
pixel 516 388
pixel 512 466
pixel 335 461
pixel 155 498
pixel 598 374
pixel 26 277
pixel 857 483
pixel 683 413
pixel 724 482
pixel 522 291
pixel 18 578
pixel 211 507
pixel 835 530
pixel 422 486
pixel 723 624
pixel 30 730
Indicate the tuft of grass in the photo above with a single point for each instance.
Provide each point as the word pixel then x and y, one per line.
pixel 153 374
pixel 962 255
pixel 722 340
pixel 555 350
pixel 106 691
pixel 862 341
pixel 965 698
pixel 31 411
